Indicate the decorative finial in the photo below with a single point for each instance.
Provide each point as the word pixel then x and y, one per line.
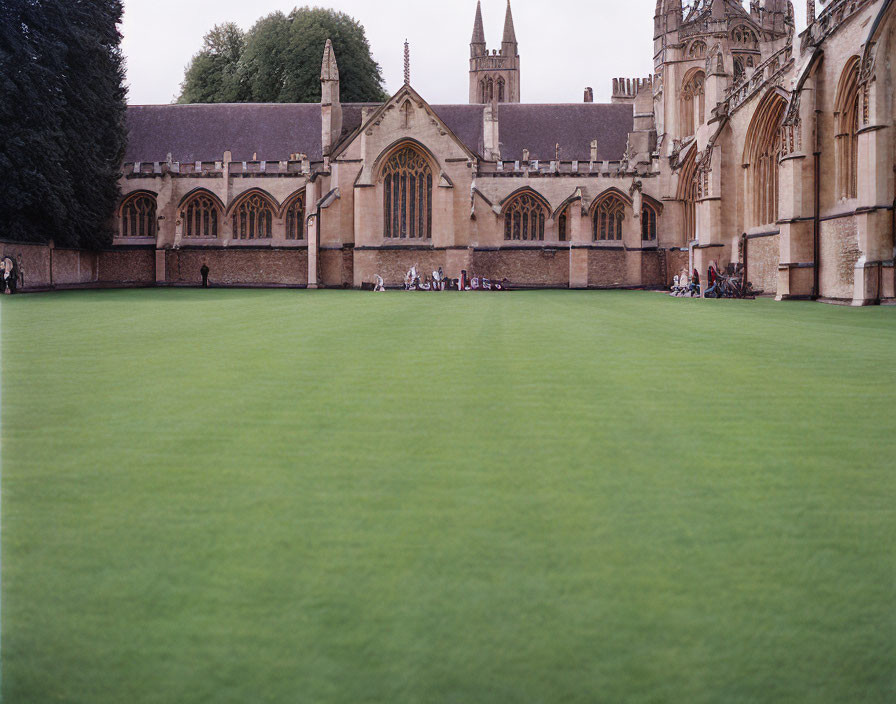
pixel 407 63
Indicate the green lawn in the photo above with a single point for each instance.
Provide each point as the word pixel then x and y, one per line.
pixel 262 497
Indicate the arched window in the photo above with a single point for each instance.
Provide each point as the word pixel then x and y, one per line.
pixel 687 195
pixel 608 218
pixel 501 88
pixel 693 103
pixel 847 121
pixel 295 219
pixel 738 69
pixel 648 223
pixel 138 216
pixel 762 154
pixel 253 218
pixel 744 36
pixel 200 216
pixel 524 218
pixel 697 50
pixel 407 195
pixel 563 225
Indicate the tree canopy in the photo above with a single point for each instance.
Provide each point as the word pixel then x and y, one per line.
pixel 62 117
pixel 278 61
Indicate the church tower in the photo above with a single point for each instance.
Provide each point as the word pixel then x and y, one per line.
pixel 495 76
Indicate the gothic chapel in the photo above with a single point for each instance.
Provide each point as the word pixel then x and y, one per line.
pixel 748 143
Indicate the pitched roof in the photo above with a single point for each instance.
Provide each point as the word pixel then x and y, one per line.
pixel 205 132
pixel 539 128
pixel 274 131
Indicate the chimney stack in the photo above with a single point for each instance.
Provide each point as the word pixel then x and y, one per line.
pixel 589 95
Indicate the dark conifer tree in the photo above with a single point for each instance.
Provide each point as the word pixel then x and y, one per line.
pixel 62 111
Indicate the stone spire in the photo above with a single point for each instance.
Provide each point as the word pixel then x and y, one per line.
pixel 329 71
pixel 330 105
pixel 478 29
pixel 718 9
pixel 509 41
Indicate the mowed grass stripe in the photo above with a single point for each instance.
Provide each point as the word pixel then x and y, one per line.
pixel 275 496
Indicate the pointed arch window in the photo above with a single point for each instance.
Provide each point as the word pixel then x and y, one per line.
pixel 295 219
pixel 608 219
pixel 648 223
pixel 563 225
pixel 138 216
pixel 847 147
pixel 501 89
pixel 763 154
pixel 524 219
pixel 253 218
pixel 693 103
pixel 407 195
pixel 200 217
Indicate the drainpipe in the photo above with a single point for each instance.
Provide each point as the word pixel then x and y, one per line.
pixel 816 224
pixel 746 258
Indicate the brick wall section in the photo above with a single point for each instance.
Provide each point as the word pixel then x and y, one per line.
pixel 393 264
pixel 549 267
pixel 34 262
pixel 763 257
pixel 839 254
pixel 72 267
pixel 606 267
pixel 136 266
pixel 653 266
pixel 678 262
pixel 233 267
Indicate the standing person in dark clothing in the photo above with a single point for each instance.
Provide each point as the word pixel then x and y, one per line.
pixel 204 271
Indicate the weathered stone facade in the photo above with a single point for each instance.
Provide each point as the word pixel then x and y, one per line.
pixel 748 142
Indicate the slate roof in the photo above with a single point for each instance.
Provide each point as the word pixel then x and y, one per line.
pixel 539 128
pixel 274 131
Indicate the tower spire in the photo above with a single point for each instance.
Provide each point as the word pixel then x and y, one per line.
pixel 329 71
pixel 478 29
pixel 509 31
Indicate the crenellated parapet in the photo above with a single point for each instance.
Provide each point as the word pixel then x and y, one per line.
pixel 625 90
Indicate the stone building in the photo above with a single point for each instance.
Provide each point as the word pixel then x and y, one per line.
pixel 748 143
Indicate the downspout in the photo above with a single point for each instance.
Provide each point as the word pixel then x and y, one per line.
pixel 816 224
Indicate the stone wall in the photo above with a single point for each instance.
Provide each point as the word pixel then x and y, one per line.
pixel 536 267
pixel 336 268
pixel 839 254
pixel 763 256
pixel 128 266
pixel 238 267
pixel 606 268
pixel 34 262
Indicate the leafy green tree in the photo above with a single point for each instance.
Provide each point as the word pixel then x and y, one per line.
pixel 62 117
pixel 279 61
pixel 214 75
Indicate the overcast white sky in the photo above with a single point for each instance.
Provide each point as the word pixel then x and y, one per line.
pixel 565 45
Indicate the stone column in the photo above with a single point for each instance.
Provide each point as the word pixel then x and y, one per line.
pixel 796 202
pixel 579 239
pixel 875 189
pixel 311 198
pixel 631 240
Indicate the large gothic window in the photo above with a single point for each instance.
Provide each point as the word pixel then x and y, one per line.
pixel 138 216
pixel 200 216
pixel 693 103
pixel 608 218
pixel 407 195
pixel 295 219
pixel 762 155
pixel 502 86
pixel 847 120
pixel 524 218
pixel 648 223
pixel 253 218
